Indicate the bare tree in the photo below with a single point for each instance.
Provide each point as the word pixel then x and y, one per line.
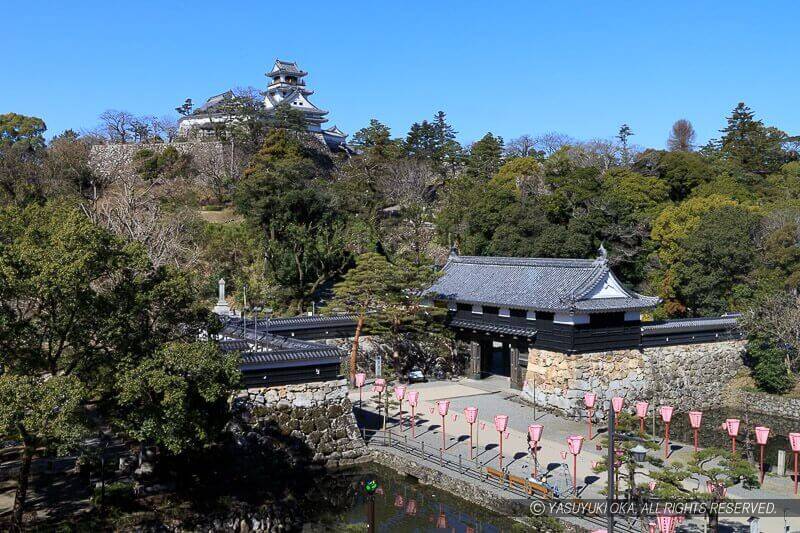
pixel 681 137
pixel 407 182
pixel 166 127
pixel 135 210
pixel 778 317
pixel 522 146
pixel 117 125
pixel 551 142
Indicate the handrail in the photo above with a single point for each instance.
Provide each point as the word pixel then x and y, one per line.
pixel 470 469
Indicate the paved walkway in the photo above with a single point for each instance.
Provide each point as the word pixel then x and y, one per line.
pixel 493 397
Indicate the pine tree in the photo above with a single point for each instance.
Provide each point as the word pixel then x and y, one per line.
pixel 625 131
pixel 361 290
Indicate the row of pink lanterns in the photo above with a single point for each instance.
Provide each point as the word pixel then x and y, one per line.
pixel 666 523
pixel 731 426
pixel 575 442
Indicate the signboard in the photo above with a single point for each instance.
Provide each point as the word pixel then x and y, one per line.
pixel 378 365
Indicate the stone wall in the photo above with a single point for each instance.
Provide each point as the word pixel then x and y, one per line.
pixel 687 376
pixel 319 415
pixel 768 404
pixel 211 158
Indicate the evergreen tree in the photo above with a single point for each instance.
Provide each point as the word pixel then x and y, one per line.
pixel 363 289
pixel 748 142
pixel 448 152
pixel 376 140
pixel 625 131
pixel 434 142
pixel 485 157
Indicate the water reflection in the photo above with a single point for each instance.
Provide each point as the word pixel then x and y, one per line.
pixel 405 506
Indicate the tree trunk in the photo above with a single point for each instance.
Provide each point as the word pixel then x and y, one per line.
pixel 22 486
pixel 354 349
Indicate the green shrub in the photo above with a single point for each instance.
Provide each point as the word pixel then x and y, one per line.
pixel 769 370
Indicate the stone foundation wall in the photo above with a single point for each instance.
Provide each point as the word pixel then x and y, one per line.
pixel 768 404
pixel 686 376
pixel 319 415
pixel 210 158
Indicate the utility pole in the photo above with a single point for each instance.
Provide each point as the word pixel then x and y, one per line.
pixel 611 471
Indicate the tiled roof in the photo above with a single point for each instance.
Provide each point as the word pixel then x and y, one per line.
pixel 286 66
pixel 532 283
pixel 213 102
pixel 297 322
pixel 504 329
pixel 276 350
pixel 690 324
pixel 266 359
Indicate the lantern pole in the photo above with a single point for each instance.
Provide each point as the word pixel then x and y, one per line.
pixel 794 441
pixel 762 435
pixel 732 425
pixel 500 424
pixel 589 400
pixel 500 438
pixel 386 411
pixel 695 419
pixel 443 434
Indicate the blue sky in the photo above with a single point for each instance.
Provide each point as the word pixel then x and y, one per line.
pixel 577 67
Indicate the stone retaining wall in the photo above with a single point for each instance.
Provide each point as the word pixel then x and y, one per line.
pixel 318 414
pixel 689 376
pixel 211 159
pixel 466 489
pixel 768 404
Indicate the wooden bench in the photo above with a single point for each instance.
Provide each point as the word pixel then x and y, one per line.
pixel 530 487
pixel 491 472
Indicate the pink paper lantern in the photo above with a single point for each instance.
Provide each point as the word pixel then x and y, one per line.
pixel 641 409
pixel 443 406
pixel 563 455
pixel 732 426
pixel 594 464
pixel 589 400
pixel 762 435
pixel 652 485
pixel 413 397
pixel 360 379
pixel 379 385
pixel 575 443
pixel 411 508
pixel 400 391
pixel 535 432
pixel 500 422
pixel 695 418
pixel 399 502
pixel 666 523
pixel 666 413
pixel 471 414
pixel 616 404
pixel 794 441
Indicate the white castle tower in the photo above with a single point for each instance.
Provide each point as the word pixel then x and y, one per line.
pixel 286 87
